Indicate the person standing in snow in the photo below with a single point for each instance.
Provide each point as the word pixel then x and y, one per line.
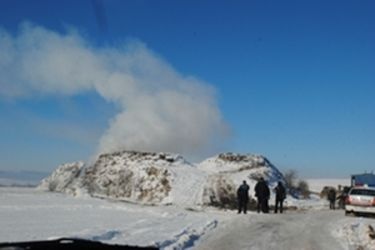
pixel 243 197
pixel 262 192
pixel 280 196
pixel 332 198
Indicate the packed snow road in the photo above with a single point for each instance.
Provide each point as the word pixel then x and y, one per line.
pixel 293 230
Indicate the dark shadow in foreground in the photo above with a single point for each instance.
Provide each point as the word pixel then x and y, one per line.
pixel 66 244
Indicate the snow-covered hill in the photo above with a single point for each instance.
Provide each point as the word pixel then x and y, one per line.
pixel 162 178
pixel 152 178
pixel 141 177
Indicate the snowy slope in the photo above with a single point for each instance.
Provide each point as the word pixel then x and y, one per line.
pixel 250 167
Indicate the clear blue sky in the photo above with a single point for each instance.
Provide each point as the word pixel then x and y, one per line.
pixel 295 79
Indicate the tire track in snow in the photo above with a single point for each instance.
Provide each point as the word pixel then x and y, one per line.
pixel 106 236
pixel 187 238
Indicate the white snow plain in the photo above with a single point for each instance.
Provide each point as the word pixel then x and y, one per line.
pixel 27 214
pixel 317 185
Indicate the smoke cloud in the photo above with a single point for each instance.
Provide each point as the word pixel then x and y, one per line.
pixel 160 109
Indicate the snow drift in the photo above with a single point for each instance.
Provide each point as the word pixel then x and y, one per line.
pixel 162 178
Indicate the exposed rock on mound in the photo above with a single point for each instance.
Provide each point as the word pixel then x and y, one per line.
pixel 220 191
pixel 137 176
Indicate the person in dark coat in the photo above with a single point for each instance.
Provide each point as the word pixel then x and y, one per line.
pixel 243 197
pixel 332 198
pixel 262 192
pixel 280 197
pixel 342 197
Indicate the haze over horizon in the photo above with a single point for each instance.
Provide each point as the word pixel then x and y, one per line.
pixel 293 81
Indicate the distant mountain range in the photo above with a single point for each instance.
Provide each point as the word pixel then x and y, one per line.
pixel 21 178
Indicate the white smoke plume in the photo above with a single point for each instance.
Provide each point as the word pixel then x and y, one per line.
pixel 161 110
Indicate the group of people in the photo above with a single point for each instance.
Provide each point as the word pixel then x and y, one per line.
pixel 262 193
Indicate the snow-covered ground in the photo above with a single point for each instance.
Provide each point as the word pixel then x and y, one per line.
pixel 319 229
pixel 354 233
pixel 28 214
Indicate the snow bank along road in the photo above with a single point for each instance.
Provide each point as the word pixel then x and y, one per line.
pixel 294 230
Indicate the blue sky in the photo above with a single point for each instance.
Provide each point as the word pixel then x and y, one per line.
pixel 293 80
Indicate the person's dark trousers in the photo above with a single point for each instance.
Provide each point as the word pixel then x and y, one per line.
pixel 259 204
pixel 242 206
pixel 264 206
pixel 332 204
pixel 277 203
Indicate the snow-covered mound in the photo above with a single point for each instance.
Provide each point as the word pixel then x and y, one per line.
pixel 157 178
pixel 227 171
pixel 148 178
pixel 64 179
pixel 163 178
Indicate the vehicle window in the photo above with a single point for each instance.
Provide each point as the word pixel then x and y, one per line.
pixel 363 192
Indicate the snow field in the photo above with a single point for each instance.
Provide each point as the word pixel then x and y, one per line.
pixel 28 214
pixel 317 185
